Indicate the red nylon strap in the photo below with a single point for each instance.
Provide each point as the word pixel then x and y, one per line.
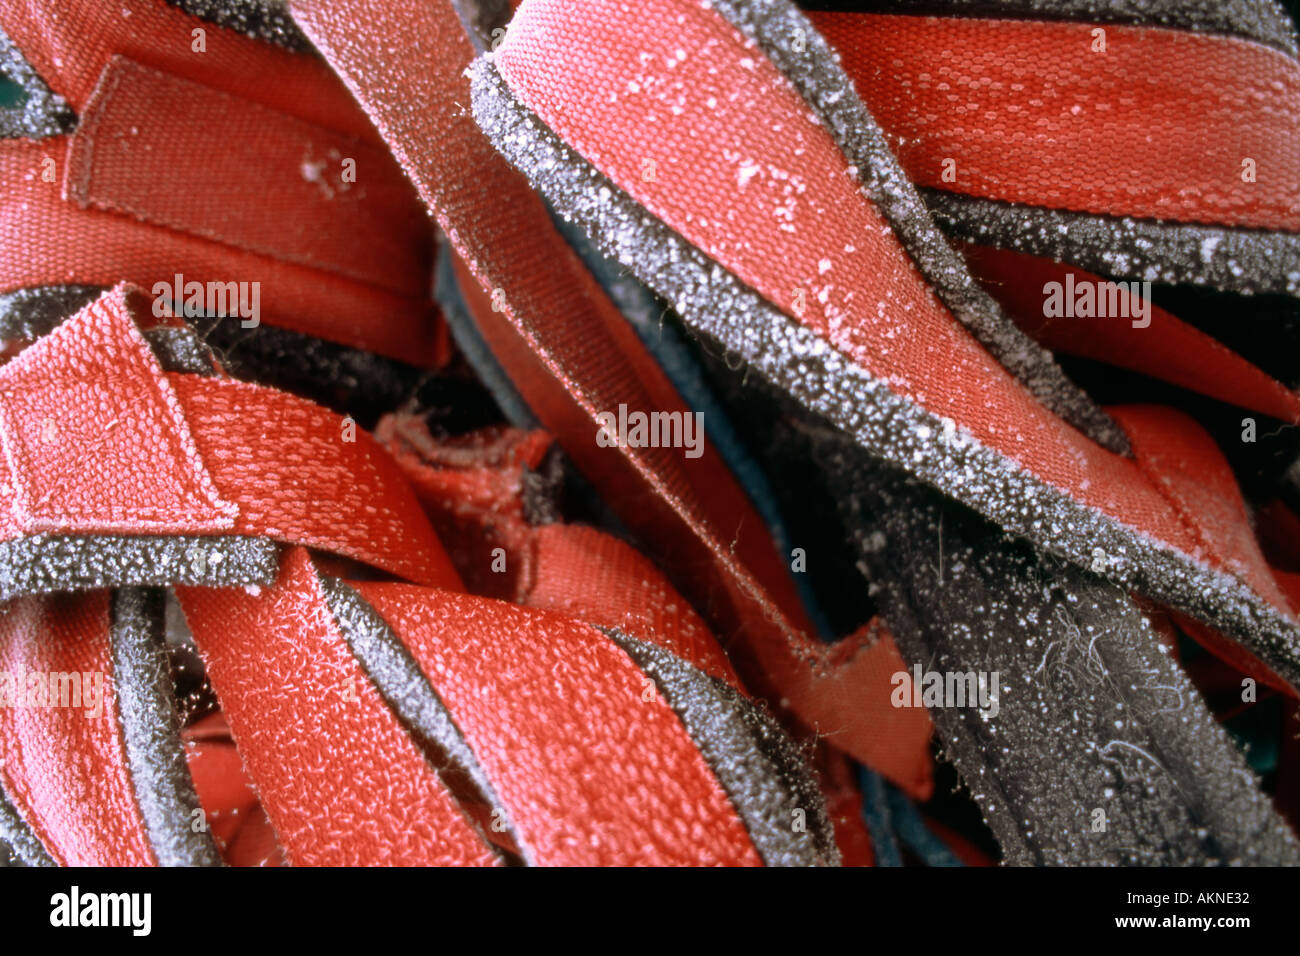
pixel 95 439
pixel 1279 541
pixel 1167 348
pixel 233 813
pixel 545 703
pixel 65 768
pixel 1186 465
pixel 756 148
pixel 692 509
pixel 276 187
pixel 473 489
pixel 98 439
pixel 596 578
pixel 571 365
pixel 1031 114
pixel 571 353
pixel 856 678
pixel 338 775
pixel 69 42
pixel 284 463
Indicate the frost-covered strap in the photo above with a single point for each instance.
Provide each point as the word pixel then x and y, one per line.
pixel 1094 747
pixel 118 472
pixel 1047 126
pixel 809 269
pixel 83 683
pixel 572 357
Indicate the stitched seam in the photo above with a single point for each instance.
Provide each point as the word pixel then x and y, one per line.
pixel 124 68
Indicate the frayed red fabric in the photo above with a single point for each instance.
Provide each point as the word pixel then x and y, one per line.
pixel 473 491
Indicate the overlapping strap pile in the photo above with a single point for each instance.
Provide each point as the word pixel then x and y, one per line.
pixel 572 356
pixel 1161 145
pixel 163 150
pixel 388 719
pixel 822 269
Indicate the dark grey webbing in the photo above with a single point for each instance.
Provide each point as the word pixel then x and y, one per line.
pixel 1247 261
pixel 45 563
pixel 1100 751
pixel 160 776
pixel 262 19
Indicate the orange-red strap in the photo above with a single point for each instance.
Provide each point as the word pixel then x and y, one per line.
pixel 340 778
pixel 280 187
pixel 572 355
pixel 98 439
pixel 1158 124
pixel 69 42
pixel 261 192
pixel 1183 462
pixel 65 764
pixel 1163 347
